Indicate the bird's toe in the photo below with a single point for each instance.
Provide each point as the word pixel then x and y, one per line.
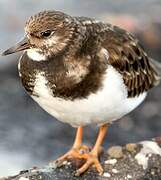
pixel 90 160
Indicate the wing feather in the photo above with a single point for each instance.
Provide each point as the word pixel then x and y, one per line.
pixel 129 58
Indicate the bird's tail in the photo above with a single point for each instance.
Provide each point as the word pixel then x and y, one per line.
pixel 157 68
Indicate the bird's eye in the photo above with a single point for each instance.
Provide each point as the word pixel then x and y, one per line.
pixel 46 33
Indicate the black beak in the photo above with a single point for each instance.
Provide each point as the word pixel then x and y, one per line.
pixel 22 45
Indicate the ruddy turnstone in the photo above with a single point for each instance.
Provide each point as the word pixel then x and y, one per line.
pixel 83 72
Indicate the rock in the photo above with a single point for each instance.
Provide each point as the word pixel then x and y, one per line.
pixel 115 152
pixel 131 147
pixel 126 168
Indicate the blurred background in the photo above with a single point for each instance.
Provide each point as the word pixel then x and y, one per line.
pixel 28 135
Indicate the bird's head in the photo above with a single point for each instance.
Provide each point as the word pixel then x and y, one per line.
pixel 46 33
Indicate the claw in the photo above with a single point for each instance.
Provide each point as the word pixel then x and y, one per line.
pixel 73 154
pixel 69 155
pixel 91 160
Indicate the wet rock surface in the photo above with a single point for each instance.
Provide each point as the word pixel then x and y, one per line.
pixel 125 168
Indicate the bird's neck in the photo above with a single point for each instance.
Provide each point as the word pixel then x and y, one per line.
pixel 86 39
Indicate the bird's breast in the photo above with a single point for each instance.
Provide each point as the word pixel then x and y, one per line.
pixel 74 80
pixel 108 103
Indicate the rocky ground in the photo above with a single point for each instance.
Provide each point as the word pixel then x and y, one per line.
pixel 140 161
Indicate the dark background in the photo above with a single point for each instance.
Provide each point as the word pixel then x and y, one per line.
pixel 28 135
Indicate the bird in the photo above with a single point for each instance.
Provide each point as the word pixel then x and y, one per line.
pixel 83 72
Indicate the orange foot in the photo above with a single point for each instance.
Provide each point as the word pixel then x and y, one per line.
pixel 91 159
pixel 83 152
pixel 74 153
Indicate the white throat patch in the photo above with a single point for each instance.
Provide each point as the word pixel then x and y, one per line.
pixel 35 55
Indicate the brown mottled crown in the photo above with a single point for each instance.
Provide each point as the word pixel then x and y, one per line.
pixel 60 26
pixel 47 20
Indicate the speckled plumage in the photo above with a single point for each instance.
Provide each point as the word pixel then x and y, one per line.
pixel 83 72
pixel 82 39
pixel 77 70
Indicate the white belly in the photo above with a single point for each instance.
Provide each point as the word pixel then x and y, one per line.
pixel 108 104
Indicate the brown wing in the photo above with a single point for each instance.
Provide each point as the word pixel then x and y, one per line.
pixel 129 58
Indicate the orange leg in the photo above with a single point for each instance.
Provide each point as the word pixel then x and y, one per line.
pixel 92 157
pixel 77 149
